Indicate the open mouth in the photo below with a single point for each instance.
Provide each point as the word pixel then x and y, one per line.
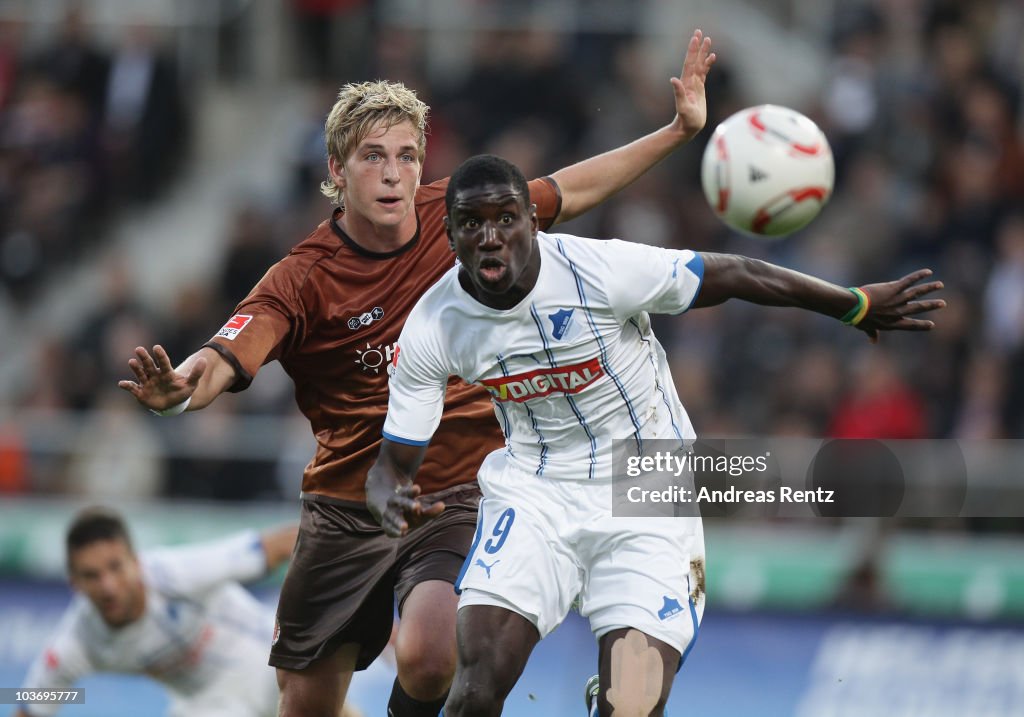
pixel 491 270
pixel 389 201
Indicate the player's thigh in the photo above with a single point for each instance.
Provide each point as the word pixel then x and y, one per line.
pixel 636 672
pixel 648 578
pixel 319 688
pixel 425 643
pixel 338 588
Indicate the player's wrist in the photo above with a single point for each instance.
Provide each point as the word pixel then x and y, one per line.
pixel 854 316
pixel 173 410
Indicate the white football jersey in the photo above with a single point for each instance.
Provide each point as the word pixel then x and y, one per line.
pixel 571 368
pixel 202 634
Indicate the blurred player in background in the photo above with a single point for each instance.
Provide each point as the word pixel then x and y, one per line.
pixel 178 615
pixel 557 329
pixel 331 313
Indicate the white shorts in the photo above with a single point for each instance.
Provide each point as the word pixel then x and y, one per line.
pixel 542 542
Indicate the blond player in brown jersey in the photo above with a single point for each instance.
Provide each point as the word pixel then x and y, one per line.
pixel 330 312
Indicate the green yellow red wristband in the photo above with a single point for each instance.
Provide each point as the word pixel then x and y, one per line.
pixel 855 315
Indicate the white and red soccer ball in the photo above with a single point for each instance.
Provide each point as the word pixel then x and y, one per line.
pixel 767 170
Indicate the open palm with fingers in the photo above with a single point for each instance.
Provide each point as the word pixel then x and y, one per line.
pixel 893 303
pixel 157 385
pixel 691 105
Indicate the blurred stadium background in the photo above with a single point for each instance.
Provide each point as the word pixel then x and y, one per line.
pixel 156 156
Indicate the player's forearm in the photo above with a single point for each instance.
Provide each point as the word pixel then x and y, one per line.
pixel 586 184
pixel 729 276
pixel 217 378
pixel 396 465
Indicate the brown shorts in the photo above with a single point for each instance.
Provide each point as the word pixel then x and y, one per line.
pixel 345 575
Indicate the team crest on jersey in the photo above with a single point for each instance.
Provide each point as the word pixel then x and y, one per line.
pixel 366 318
pixel 670 609
pixel 562 324
pixel 542 382
pixel 234 326
pixel 277 632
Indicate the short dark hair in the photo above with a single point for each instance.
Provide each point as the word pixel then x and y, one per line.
pixel 485 169
pixel 92 525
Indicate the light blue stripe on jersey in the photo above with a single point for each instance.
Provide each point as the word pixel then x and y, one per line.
pixel 604 351
pixel 569 398
pixel 407 441
pixel 533 421
pixel 506 425
pixel 696 623
pixel 472 548
pixel 696 265
pixel 657 381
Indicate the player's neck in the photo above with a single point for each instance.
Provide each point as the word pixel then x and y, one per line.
pixel 378 238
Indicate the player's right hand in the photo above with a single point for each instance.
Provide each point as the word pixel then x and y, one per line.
pixel 157 385
pixel 895 303
pixel 400 510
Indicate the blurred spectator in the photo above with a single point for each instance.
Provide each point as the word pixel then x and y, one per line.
pixel 880 404
pixel 144 119
pixel 334 38
pixel 116 456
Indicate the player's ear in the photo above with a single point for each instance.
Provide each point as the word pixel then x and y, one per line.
pixel 534 221
pixel 448 231
pixel 337 171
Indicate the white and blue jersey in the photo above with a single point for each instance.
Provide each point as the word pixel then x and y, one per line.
pixel 571 368
pixel 202 635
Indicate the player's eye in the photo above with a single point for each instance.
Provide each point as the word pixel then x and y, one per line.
pixel 408 158
pixel 373 156
pixel 470 224
pixel 506 219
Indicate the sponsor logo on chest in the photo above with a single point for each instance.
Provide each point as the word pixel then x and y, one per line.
pixel 543 382
pixel 373 358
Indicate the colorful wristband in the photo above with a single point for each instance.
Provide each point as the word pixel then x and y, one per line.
pixel 855 315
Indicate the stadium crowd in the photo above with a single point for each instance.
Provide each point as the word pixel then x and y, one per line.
pixel 922 105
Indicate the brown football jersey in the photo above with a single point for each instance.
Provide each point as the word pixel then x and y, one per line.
pixel 331 312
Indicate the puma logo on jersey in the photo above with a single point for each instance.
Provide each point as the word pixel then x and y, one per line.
pixel 542 382
pixel 487 567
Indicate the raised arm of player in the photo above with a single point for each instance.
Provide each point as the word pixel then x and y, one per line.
pixel 391 496
pixel 891 304
pixel 586 184
pixel 158 385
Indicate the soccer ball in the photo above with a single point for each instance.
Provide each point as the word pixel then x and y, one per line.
pixel 767 170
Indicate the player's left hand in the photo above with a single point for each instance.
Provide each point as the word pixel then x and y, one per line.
pixel 894 302
pixel 691 105
pixel 400 510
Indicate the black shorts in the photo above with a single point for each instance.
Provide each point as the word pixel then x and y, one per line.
pixel 345 575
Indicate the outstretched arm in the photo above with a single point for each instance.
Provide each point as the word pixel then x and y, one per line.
pixel 586 184
pixel 889 306
pixel 158 385
pixel 390 493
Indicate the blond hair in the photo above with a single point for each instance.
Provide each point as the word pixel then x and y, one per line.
pixel 360 108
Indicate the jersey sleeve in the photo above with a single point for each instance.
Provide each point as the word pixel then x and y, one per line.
pixel 418 381
pixel 192 570
pixel 649 278
pixel 547 195
pixel 60 665
pixel 267 322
